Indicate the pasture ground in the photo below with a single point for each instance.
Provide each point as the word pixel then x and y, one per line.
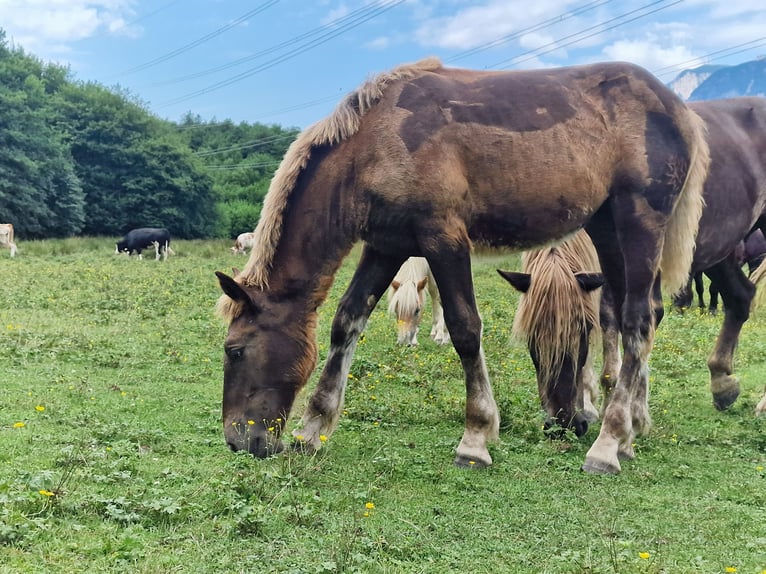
pixel 112 457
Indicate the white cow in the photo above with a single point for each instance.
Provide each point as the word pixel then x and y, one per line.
pixel 244 241
pixel 6 237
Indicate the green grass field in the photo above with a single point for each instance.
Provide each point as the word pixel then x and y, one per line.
pixel 112 456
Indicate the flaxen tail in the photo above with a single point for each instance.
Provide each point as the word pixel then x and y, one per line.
pixel 681 234
pixel 757 277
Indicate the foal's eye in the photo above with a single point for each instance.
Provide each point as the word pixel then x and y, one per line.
pixel 234 353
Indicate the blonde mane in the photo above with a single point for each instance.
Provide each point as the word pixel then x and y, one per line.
pixel 555 309
pixel 403 301
pixel 340 125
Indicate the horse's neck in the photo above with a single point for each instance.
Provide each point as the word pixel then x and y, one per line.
pixel 313 244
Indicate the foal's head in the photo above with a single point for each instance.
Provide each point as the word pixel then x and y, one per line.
pixel 406 299
pixel 269 356
pixel 555 317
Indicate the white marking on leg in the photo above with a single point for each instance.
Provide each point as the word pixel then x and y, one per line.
pixel 331 391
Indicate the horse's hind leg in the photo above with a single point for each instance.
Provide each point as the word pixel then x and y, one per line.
pixel 610 337
pixel 639 254
pixel 737 293
pixel 451 266
pixel 439 331
pixel 372 277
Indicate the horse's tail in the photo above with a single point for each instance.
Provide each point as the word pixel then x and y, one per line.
pixel 755 278
pixel 681 234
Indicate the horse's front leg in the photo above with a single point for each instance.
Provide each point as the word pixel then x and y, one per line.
pixel 737 293
pixel 372 277
pixel 451 266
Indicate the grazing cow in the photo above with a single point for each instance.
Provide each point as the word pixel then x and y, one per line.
pixel 244 241
pixel 143 238
pixel 6 237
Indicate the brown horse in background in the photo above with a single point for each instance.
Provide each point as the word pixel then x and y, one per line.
pixel 735 205
pixel 423 161
pixel 558 319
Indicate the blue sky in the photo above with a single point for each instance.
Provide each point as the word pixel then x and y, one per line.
pixel 289 62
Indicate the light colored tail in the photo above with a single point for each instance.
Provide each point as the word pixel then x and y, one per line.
pixel 755 278
pixel 681 233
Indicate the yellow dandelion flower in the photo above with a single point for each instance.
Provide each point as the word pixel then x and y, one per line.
pixel 365 514
pixel 299 437
pixel 323 437
pixel 270 429
pixel 759 468
pixel 251 422
pixel 643 555
pixel 471 462
pixel 369 505
pixel 19 425
pixel 731 569
pixel 39 408
pixel 46 492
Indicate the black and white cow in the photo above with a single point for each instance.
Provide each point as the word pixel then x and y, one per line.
pixel 144 238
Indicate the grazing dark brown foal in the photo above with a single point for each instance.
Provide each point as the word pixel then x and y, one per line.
pixel 425 160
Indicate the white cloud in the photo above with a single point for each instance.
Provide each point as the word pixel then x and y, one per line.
pixel 489 21
pixel 379 43
pixel 648 52
pixel 47 26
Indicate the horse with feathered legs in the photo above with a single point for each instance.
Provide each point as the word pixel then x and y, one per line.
pixel 735 205
pixel 558 319
pixel 407 297
pixel 423 161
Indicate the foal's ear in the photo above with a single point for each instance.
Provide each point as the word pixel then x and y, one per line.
pixel 235 290
pixel 422 283
pixel 395 285
pixel 519 281
pixel 590 281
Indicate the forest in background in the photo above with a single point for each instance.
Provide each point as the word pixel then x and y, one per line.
pixel 78 158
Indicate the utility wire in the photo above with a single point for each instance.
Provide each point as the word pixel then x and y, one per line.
pixel 533 28
pixel 203 39
pixel 342 21
pixel 284 57
pixel 718 53
pixel 599 29
pixel 247 145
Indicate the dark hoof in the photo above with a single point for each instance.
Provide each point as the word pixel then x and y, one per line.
pixel 463 462
pixel 723 401
pixel 593 466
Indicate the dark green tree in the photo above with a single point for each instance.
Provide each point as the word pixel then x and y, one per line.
pixel 40 192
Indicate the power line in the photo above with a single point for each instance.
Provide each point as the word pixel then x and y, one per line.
pixel 680 66
pixel 203 39
pixel 343 20
pixel 287 56
pixel 247 145
pixel 599 29
pixel 533 28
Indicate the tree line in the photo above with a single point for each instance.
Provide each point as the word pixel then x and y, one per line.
pixel 78 158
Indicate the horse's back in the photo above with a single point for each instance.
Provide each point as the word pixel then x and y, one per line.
pixel 520 156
